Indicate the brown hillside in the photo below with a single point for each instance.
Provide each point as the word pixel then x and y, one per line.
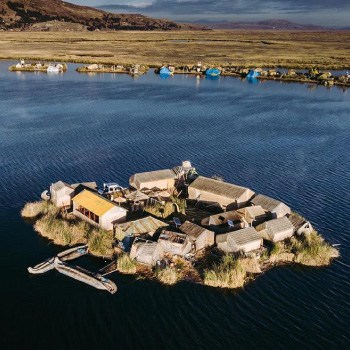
pixel 23 14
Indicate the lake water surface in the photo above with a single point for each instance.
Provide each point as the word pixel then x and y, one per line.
pixel 289 141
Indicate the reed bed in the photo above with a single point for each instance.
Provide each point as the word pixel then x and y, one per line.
pixel 313 250
pixel 35 209
pixel 228 273
pixel 65 229
pixel 168 276
pixel 126 265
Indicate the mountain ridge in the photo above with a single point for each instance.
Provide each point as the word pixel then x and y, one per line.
pixel 23 14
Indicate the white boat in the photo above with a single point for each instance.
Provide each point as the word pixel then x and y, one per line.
pixel 55 68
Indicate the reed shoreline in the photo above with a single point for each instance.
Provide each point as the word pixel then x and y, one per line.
pixel 212 267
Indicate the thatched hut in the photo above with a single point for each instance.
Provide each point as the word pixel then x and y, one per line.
pixel 148 225
pixel 301 225
pixel 219 222
pixel 276 208
pixel 276 230
pixel 253 215
pixel 146 252
pixel 199 236
pixel 175 243
pixel 245 240
pixel 227 195
pixel 161 179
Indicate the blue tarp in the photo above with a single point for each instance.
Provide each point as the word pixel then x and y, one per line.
pixel 253 74
pixel 165 71
pixel 212 72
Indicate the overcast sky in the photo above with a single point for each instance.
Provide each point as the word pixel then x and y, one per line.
pixel 320 12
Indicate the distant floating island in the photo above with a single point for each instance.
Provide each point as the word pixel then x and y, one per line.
pixel 173 225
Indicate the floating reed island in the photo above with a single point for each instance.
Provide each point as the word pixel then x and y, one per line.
pixel 172 225
pixel 313 76
pixel 22 66
pixel 134 69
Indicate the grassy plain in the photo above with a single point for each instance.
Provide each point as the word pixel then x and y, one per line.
pixel 290 49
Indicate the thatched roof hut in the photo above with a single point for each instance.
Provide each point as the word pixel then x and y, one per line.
pixel 277 229
pixel 161 179
pixel 254 215
pixel 146 252
pixel 219 222
pixel 276 208
pixel 226 194
pixel 246 240
pixel 148 225
pixel 175 243
pixel 199 235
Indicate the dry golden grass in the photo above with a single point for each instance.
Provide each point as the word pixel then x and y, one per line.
pixel 168 276
pixel 290 49
pixel 229 273
pixel 126 265
pixel 34 209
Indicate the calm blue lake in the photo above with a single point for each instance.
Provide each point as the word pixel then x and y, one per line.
pixel 289 141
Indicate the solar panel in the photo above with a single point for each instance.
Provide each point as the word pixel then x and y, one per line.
pixel 177 222
pixel 230 223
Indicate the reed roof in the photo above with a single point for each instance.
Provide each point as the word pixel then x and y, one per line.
pixel 144 225
pixel 277 225
pixel 192 229
pixel 153 176
pixel 243 236
pixel 266 202
pixel 217 187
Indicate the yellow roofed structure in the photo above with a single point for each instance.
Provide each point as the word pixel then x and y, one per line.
pixel 93 202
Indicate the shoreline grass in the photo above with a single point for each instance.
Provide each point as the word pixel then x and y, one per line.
pixel 213 267
pixel 228 273
pixel 286 49
pixel 126 265
pixel 168 276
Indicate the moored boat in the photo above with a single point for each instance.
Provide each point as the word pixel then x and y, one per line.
pixel 43 267
pixel 213 72
pixel 85 276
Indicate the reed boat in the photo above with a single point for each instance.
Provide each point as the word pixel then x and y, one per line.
pixel 43 267
pixel 73 253
pixel 48 264
pixel 85 276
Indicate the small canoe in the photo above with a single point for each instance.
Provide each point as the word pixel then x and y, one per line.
pixel 43 267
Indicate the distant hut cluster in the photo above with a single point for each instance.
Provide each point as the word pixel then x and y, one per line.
pixel 38 67
pixel 134 69
pixel 175 212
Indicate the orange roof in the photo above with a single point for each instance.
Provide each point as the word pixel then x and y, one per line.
pixel 93 202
